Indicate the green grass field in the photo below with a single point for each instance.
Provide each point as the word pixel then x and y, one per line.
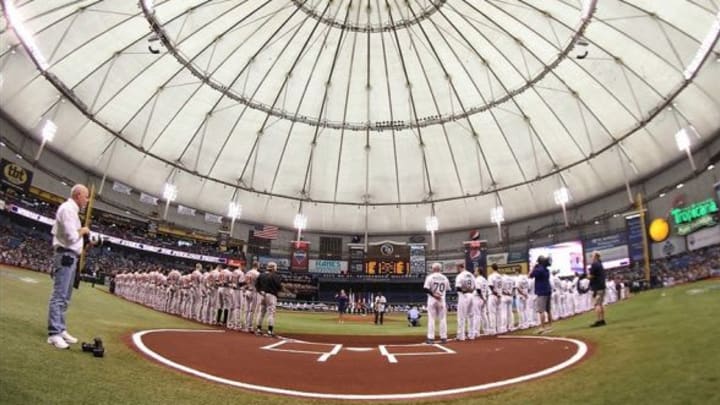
pixel 660 347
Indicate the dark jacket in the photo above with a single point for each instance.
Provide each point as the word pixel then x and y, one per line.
pixel 597 276
pixel 270 283
pixel 542 280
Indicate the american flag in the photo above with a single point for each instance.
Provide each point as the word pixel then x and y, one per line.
pixel 266 231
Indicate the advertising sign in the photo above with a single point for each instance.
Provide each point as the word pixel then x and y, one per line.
pixel 672 246
pixel 635 238
pixel 15 176
pixel 613 250
pixel 704 238
pixel 328 266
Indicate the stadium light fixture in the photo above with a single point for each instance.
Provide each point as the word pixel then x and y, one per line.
pixel 562 197
pixel 16 22
pixel 49 131
pixel 234 212
pixel 682 139
pixel 710 167
pixel 432 225
pixel 300 223
pixel 497 216
pixel 48 134
pixel 169 194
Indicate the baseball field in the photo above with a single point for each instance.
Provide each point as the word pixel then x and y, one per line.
pixel 659 347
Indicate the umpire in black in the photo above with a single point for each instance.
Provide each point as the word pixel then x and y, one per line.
pixel 269 284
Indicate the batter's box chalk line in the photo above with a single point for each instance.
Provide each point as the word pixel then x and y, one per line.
pixel 324 355
pixel 392 357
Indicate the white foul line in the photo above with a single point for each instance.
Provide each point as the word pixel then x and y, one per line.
pixel 383 350
pixel 581 351
pixel 333 352
pixel 274 345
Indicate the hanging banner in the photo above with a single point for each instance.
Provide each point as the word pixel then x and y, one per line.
pixel 476 256
pixel 672 246
pixel 15 176
pixel 212 218
pixel 357 259
pixel 148 199
pixel 183 210
pixel 299 256
pixel 2 205
pixel 635 238
pixel 121 188
pixel 417 259
pixel 704 238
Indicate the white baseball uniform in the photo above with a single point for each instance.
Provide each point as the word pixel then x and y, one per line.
pixel 438 285
pixel 480 318
pixel 465 286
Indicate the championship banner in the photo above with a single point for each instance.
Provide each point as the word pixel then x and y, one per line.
pixel 212 218
pixel 299 256
pixel 15 176
pixel 122 188
pixel 476 256
pixel 183 210
pixel 417 259
pixel 148 199
pixel 357 258
pixel 328 266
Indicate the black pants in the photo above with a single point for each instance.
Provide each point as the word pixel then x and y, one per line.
pixel 379 315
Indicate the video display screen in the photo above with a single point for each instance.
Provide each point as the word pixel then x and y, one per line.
pixel 567 257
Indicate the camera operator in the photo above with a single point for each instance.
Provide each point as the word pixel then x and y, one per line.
pixel 67 243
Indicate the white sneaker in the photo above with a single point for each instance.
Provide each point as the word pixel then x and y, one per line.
pixel 58 342
pixel 68 338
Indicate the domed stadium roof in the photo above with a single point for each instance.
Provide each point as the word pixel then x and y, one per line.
pixel 366 110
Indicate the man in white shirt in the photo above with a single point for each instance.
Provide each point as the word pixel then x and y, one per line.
pixel 380 304
pixel 67 244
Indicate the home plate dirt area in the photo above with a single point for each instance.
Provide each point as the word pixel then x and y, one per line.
pixel 358 367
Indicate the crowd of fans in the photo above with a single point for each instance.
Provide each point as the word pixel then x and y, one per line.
pixel 123 227
pixel 26 243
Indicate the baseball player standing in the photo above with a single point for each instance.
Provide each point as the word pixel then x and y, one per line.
pixel 480 319
pixel 465 286
pixel 436 285
pixel 269 284
pixel 252 298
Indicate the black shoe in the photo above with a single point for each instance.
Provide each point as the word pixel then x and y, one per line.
pixel 598 323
